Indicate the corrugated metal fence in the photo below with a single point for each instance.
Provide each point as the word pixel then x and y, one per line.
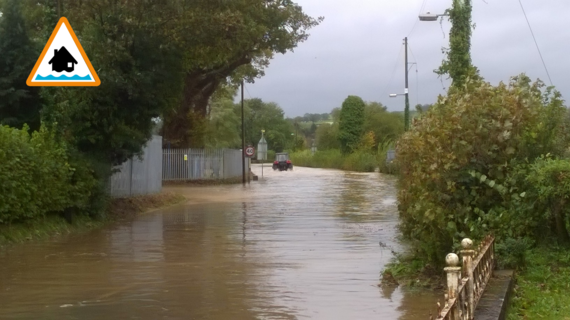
pixel 138 177
pixel 201 164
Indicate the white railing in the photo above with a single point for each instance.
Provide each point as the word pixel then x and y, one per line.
pixel 466 284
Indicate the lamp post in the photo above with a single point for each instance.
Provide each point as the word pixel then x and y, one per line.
pixel 242 138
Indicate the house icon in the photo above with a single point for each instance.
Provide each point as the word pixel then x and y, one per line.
pixel 62 61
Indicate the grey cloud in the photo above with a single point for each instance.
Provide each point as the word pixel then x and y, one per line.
pixel 355 50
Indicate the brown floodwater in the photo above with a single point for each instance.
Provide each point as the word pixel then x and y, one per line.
pixel 302 244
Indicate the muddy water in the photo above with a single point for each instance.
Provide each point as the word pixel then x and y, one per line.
pixel 295 245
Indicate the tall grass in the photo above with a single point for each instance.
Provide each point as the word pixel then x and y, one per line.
pixel 333 159
pixel 383 166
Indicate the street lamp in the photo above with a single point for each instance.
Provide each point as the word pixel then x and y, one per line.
pixel 431 17
pixel 406 110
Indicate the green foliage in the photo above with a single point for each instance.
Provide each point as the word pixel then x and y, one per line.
pixel 270 155
pixel 541 290
pixel 224 40
pixel 548 192
pixel 460 165
pixel 334 159
pixel 223 124
pixel 351 124
pixel 383 166
pixel 511 253
pixel 327 136
pixel 458 63
pixel 37 176
pixel 316 117
pixel 268 116
pixel 141 79
pixel 330 159
pixel 385 125
pixel 19 104
pixel 361 161
pixel 367 142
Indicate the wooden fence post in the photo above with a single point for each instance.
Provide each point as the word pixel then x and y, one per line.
pixel 467 254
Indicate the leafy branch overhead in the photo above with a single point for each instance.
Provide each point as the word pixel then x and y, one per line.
pixel 229 40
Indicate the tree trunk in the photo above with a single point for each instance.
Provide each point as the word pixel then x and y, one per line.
pixel 561 230
pixel 184 127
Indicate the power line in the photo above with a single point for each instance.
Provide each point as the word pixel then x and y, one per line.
pixel 394 71
pixel 417 86
pixel 417 80
pixel 536 43
pixel 416 23
pixel 412 52
pixel 248 92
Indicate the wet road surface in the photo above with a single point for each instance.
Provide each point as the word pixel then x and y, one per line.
pixel 303 244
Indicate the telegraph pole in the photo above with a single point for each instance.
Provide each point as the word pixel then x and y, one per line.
pixel 407 108
pixel 242 138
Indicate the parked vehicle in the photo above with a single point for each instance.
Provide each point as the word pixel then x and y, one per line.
pixel 282 162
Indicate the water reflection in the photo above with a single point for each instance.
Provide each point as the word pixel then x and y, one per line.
pixel 296 245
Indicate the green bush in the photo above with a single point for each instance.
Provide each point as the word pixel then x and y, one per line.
pixel 333 159
pixel 458 163
pixel 511 253
pixel 36 176
pixel 351 124
pixel 546 198
pixel 270 155
pixel 360 161
pixel 383 166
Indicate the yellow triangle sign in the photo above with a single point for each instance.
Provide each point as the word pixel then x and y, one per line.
pixel 63 63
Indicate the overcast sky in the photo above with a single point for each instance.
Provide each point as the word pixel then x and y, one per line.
pixel 358 50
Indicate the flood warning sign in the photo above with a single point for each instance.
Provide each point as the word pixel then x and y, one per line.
pixel 63 61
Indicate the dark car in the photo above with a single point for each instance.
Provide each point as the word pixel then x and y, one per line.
pixel 282 162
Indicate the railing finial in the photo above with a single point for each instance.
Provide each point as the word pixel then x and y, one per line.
pixel 466 243
pixel 452 260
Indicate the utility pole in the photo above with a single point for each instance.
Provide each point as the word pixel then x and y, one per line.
pixel 407 108
pixel 242 138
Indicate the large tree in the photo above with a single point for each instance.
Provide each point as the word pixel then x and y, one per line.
pixel 223 123
pixel 19 104
pixel 266 116
pixel 387 126
pixel 140 71
pixel 351 123
pixel 227 40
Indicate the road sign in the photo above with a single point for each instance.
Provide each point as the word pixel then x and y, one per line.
pixel 63 61
pixel 249 151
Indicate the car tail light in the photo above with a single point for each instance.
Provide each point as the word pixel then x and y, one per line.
pixel 288 161
pixel 276 162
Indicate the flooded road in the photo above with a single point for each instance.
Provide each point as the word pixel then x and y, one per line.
pixel 303 244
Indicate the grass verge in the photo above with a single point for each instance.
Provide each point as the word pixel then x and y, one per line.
pixel 54 225
pixel 44 228
pixel 333 159
pixel 542 286
pixel 412 273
